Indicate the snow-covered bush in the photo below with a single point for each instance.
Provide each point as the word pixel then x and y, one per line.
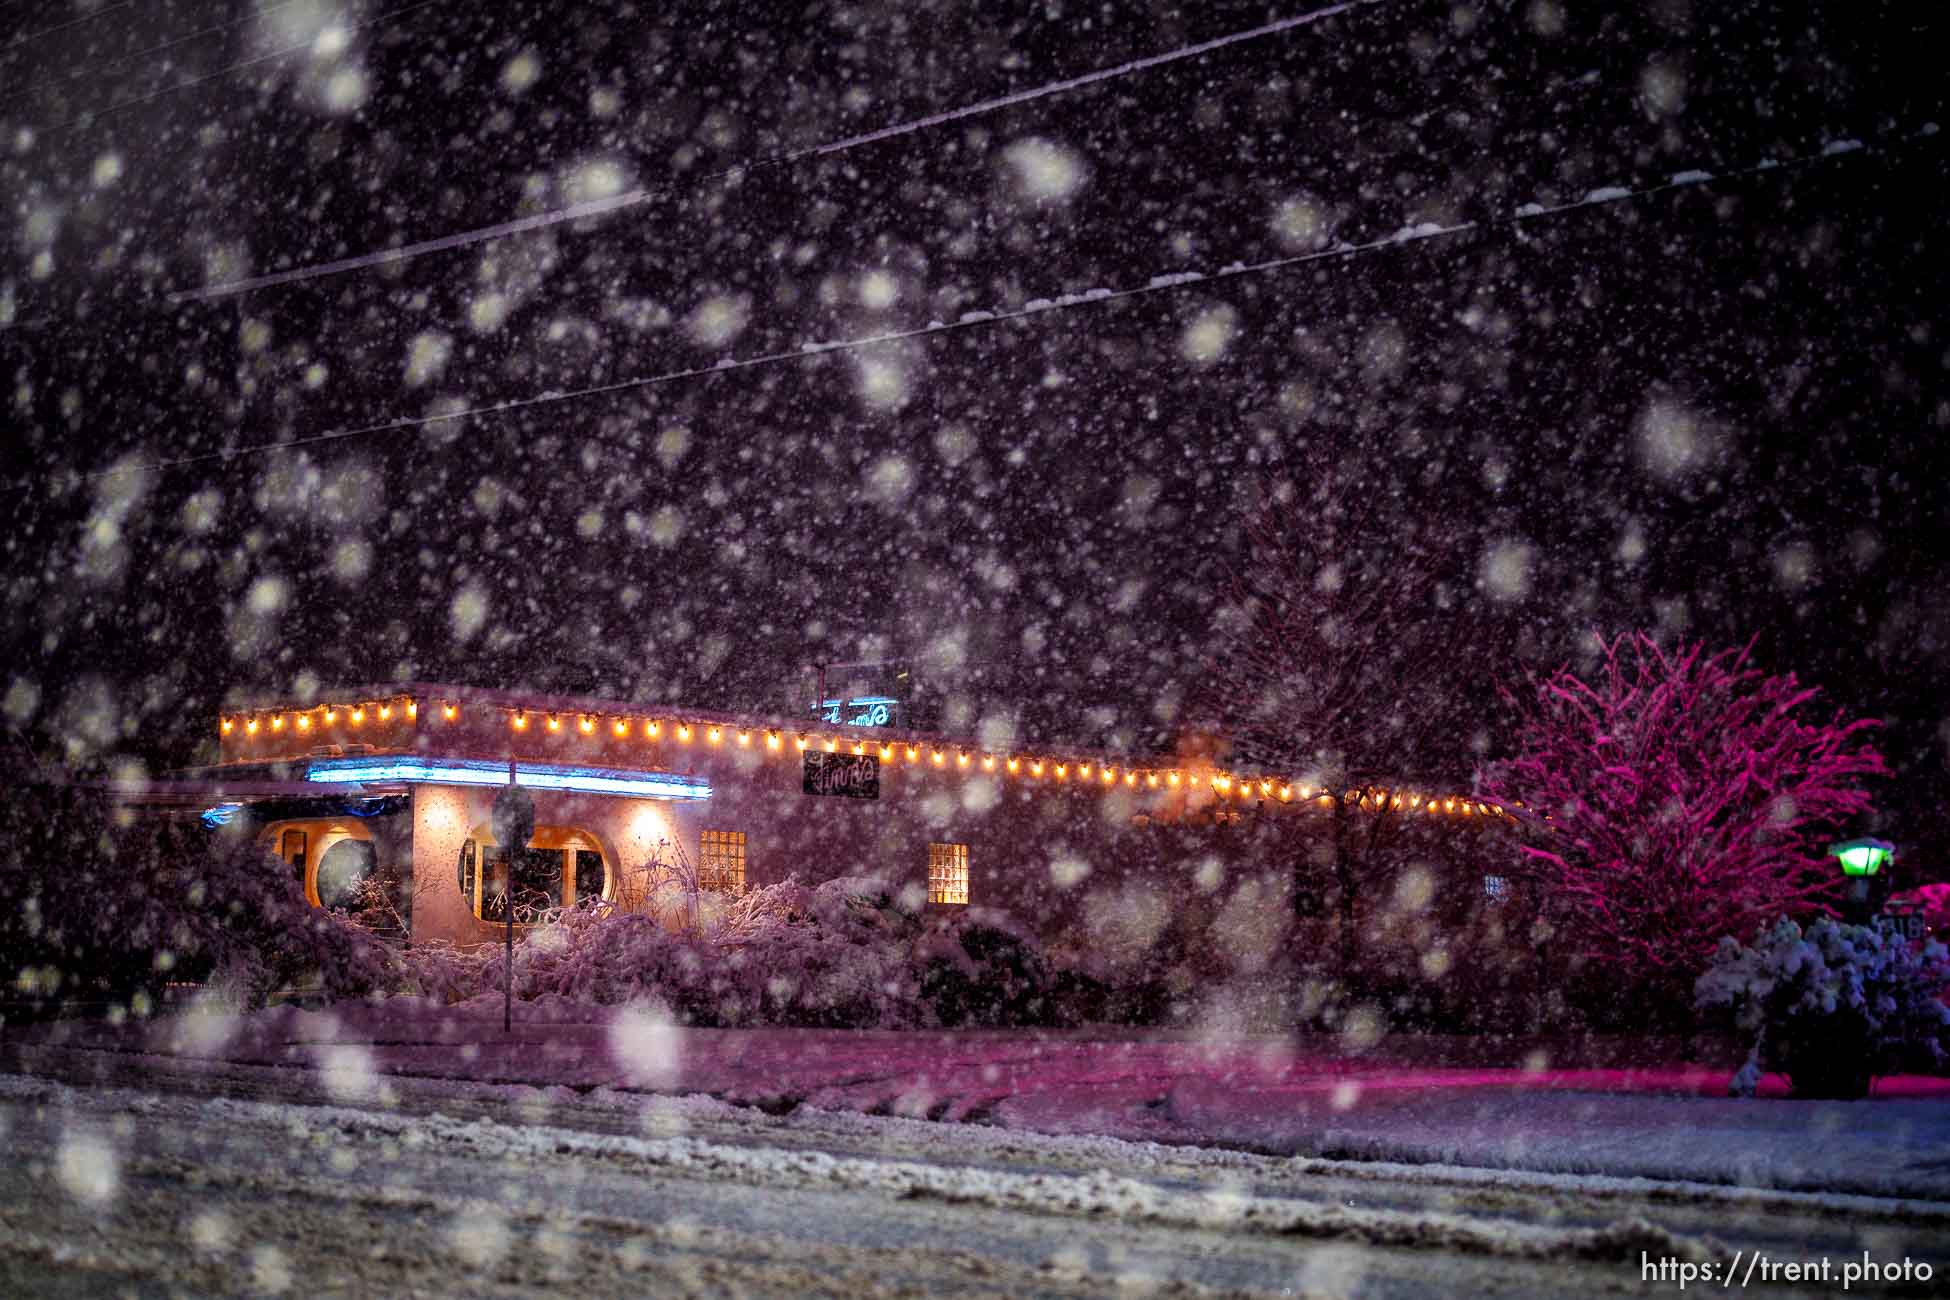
pixel 1831 1007
pixel 844 953
pixel 838 954
pixel 976 969
pixel 98 905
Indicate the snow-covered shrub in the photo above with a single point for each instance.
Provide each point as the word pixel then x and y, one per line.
pixel 1831 1007
pixel 976 969
pixel 838 954
pixel 100 905
pixel 441 971
pixel 842 958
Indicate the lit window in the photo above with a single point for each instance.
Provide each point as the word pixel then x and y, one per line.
pixel 560 866
pixel 292 847
pixel 343 870
pixel 591 876
pixel 1496 888
pixel 721 862
pixel 947 873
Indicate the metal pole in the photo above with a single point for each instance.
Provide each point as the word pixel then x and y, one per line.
pixel 508 951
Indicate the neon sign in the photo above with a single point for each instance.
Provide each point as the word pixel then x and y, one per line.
pixel 860 711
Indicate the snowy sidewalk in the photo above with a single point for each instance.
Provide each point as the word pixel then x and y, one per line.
pixel 1280 1096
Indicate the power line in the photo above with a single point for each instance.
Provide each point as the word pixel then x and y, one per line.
pixel 637 197
pixel 95 115
pixel 30 37
pixel 1531 212
pixel 253 15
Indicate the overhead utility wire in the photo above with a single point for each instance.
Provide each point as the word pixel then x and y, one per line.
pixel 29 38
pixel 1595 199
pixel 95 115
pixel 253 15
pixel 637 197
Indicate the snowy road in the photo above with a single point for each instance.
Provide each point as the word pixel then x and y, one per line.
pixel 517 1192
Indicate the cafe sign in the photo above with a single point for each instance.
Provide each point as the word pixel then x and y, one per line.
pixel 849 776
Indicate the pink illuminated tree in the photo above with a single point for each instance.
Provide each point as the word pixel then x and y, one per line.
pixel 1678 797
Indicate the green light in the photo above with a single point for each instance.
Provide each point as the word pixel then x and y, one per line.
pixel 1862 857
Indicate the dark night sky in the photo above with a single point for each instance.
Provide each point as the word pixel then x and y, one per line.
pixel 1714 410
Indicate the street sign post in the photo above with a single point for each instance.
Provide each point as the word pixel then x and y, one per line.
pixel 512 819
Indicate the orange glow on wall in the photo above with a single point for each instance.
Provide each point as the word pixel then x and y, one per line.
pixel 1259 788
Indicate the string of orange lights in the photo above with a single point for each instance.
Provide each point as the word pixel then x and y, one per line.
pixel 1054 770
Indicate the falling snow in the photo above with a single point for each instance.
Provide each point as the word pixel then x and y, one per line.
pixel 1310 398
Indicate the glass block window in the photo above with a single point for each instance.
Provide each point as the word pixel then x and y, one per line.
pixel 947 873
pixel 1496 888
pixel 721 862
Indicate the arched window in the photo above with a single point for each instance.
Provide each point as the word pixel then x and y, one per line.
pixel 330 857
pixel 560 867
pixel 343 870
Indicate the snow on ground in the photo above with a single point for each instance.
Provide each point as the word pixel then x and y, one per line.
pixel 1289 1097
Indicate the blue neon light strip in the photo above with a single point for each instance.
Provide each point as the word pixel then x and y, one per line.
pixel 220 815
pixel 538 776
